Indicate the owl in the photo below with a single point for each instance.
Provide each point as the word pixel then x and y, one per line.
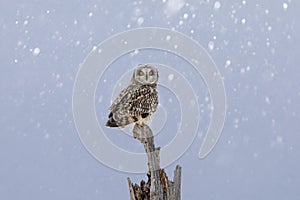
pixel 138 101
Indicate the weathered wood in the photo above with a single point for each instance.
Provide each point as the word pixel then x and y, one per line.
pixel 132 197
pixel 158 186
pixel 177 182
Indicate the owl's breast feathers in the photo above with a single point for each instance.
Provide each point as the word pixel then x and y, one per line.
pixel 133 103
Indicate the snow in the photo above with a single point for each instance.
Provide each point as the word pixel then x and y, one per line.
pixel 140 21
pixel 267 100
pixel 135 52
pixel 170 77
pixel 249 43
pixel 242 70
pixel 207 99
pixel 279 139
pixel 246 39
pixel 174 6
pixel 211 45
pixel 59 85
pixel 269 28
pixel 267 11
pixel 243 21
pixel 47 136
pixel 285 6
pixel 38 125
pixel 255 155
pixel 227 63
pixel 185 16
pixel 168 37
pixel 36 51
pixel 217 5
pixel 137 12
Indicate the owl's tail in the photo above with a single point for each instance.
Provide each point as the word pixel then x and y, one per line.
pixel 121 122
pixel 111 122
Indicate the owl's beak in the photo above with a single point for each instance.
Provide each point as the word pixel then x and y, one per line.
pixel 146 77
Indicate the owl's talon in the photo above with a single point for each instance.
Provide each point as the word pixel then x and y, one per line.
pixel 140 123
pixel 148 118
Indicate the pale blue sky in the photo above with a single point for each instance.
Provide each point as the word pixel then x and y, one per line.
pixel 255 45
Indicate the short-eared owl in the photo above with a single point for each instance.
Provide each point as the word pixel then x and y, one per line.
pixel 138 101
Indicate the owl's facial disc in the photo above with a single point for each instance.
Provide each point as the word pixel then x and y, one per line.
pixel 146 74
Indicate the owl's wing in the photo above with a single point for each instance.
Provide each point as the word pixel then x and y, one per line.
pixel 123 97
pixel 132 102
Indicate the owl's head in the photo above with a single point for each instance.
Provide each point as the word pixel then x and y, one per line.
pixel 145 75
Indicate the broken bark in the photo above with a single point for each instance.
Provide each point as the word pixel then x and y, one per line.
pixel 158 186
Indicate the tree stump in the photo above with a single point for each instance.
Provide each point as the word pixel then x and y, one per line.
pixel 158 186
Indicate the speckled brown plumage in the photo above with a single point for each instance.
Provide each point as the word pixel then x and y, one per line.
pixel 138 101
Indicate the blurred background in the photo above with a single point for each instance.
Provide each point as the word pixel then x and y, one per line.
pixel 255 45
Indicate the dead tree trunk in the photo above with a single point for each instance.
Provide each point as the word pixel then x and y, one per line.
pixel 158 186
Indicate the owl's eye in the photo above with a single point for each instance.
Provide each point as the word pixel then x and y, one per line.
pixel 141 73
pixel 151 73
